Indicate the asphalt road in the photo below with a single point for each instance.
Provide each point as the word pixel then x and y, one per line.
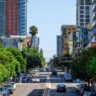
pixel 71 87
pixel 29 88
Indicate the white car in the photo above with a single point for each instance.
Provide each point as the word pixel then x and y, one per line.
pixel 4 92
pixel 35 80
pixel 14 85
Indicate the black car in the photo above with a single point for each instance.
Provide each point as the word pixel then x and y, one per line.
pixel 61 88
pixel 54 73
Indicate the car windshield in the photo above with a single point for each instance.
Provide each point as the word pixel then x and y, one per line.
pixel 11 83
pixel 61 85
pixel 7 85
pixel 23 77
pixel 1 89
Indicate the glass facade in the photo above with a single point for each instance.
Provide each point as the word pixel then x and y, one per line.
pixel 13 17
pixel 22 17
pixel 2 17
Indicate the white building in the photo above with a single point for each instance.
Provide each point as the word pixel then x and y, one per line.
pixel 83 12
pixel 35 42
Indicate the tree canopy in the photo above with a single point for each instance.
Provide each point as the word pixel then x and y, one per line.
pixel 33 58
pixel 84 67
pixel 33 30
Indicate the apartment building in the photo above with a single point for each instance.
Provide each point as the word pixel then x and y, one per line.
pixel 83 13
pixel 66 30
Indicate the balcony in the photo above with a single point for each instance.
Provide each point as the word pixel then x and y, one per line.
pixel 94 8
pixel 94 24
pixel 93 1
pixel 94 16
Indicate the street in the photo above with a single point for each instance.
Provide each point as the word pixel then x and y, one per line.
pixel 36 89
pixel 55 80
pixel 31 89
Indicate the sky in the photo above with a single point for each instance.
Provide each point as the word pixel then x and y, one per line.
pixel 48 16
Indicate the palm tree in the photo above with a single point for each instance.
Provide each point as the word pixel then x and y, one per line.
pixel 33 32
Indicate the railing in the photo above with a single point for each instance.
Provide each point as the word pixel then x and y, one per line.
pixel 94 16
pixel 94 7
pixel 93 1
pixel 65 59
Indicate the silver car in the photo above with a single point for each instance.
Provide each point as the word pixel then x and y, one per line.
pixel 4 92
pixel 35 80
pixel 9 87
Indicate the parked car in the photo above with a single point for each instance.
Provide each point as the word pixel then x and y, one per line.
pixel 9 87
pixel 61 88
pixel 4 92
pixel 84 89
pixel 79 87
pixel 54 73
pixel 1 94
pixel 35 80
pixel 24 79
pixel 68 77
pixel 14 85
pixel 93 94
pixel 29 77
pixel 88 93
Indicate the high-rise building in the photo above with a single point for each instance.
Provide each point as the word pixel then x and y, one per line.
pixel 83 12
pixel 13 17
pixel 58 45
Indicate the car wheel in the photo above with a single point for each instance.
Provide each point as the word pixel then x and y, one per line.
pixel 11 92
pixel 64 90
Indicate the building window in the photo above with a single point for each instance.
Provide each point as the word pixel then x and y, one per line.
pixel 81 24
pixel 87 11
pixel 81 12
pixel 69 32
pixel 81 2
pixel 69 29
pixel 88 2
pixel 65 36
pixel 87 16
pixel 87 20
pixel 81 20
pixel 81 16
pixel 81 7
pixel 87 8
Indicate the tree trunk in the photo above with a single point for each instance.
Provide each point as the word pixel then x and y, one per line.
pixel 31 41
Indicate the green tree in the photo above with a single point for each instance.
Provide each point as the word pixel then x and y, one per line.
pixel 41 51
pixel 18 56
pixel 82 66
pixel 91 67
pixel 33 58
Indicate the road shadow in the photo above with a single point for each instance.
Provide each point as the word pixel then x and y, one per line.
pixel 36 92
pixel 54 92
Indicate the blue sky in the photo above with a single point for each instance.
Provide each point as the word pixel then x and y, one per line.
pixel 49 16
